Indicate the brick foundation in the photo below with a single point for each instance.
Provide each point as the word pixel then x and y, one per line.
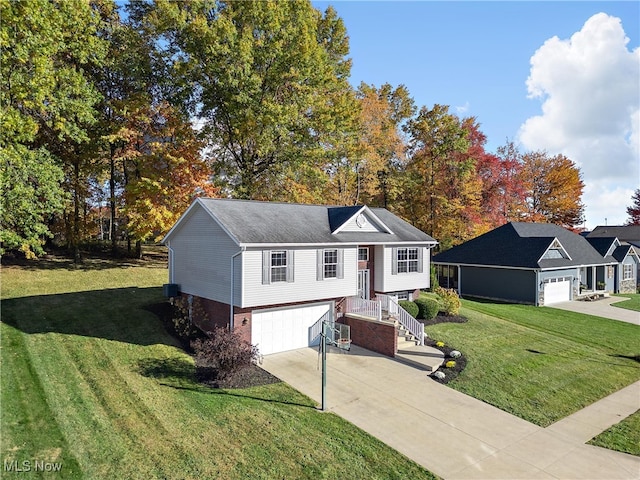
pixel 376 336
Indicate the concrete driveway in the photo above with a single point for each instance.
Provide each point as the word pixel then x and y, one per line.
pixel 451 434
pixel 601 308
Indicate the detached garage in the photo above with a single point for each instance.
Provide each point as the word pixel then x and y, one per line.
pixel 281 329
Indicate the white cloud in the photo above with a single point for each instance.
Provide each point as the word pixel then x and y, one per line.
pixel 589 86
pixel 463 108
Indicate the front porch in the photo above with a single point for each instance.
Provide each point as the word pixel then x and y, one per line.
pixel 383 326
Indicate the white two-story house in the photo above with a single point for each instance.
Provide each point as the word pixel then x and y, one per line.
pixel 283 266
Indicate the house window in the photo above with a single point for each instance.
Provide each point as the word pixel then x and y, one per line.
pixel 330 264
pixel 363 254
pixel 610 271
pixel 278 266
pixel 408 260
pixel 627 272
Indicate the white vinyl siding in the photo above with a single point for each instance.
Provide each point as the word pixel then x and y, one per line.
pixel 306 285
pixel 387 277
pixel 201 258
pixel 356 224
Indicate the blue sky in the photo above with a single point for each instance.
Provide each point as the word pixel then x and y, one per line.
pixel 476 58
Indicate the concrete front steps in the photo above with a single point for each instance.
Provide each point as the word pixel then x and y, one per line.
pixel 419 356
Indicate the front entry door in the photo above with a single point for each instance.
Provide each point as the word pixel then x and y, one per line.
pixel 363 284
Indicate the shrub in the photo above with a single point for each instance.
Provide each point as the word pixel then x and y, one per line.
pixel 434 278
pixel 450 301
pixel 181 320
pixel 222 354
pixel 410 307
pixel 427 308
pixel 450 364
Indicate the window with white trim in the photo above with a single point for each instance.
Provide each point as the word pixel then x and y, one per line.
pixel 330 264
pixel 627 271
pixel 278 266
pixel 363 254
pixel 408 260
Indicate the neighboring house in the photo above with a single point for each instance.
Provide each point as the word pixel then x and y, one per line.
pixel 532 263
pixel 626 257
pixel 284 266
pixel 626 235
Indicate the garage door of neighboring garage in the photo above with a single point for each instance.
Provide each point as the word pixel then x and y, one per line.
pixel 282 329
pixel 557 290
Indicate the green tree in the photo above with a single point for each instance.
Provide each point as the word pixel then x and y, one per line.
pixel 46 99
pixel 270 86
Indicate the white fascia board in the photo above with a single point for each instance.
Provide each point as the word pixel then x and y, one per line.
pixel 368 211
pixel 436 262
pixel 335 244
pixel 551 245
pixel 197 201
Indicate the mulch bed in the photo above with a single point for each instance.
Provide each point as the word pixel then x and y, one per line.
pixel 461 362
pixel 252 376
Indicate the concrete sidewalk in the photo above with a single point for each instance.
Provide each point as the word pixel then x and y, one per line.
pixel 451 434
pixel 601 308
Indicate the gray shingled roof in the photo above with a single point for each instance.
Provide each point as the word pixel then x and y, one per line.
pixel 601 244
pixel 522 245
pixel 254 222
pixel 626 233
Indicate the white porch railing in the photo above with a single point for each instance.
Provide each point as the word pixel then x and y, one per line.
pixel 316 329
pixel 366 308
pixel 404 318
pixel 391 307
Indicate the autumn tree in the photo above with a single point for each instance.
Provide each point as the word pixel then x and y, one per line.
pixel 270 85
pixel 383 112
pixel 553 186
pixel 165 172
pixel 436 172
pixel 47 99
pixel 634 210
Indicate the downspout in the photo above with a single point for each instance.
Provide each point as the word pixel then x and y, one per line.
pixel 233 257
pixel 170 263
pixel 537 299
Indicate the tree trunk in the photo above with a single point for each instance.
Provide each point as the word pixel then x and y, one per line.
pixel 112 198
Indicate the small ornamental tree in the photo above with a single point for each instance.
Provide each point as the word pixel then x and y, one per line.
pixel 222 355
pixel 449 300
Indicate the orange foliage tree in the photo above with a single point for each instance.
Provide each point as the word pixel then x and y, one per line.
pixel 164 171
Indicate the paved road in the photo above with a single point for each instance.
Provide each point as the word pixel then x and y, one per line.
pixel 451 434
pixel 601 308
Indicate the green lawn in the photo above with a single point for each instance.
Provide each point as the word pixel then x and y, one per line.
pixel 623 437
pixel 633 302
pixel 91 380
pixel 540 363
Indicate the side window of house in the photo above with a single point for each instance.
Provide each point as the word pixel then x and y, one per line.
pixel 407 260
pixel 330 263
pixel 277 266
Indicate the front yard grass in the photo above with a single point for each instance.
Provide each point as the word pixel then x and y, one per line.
pixel 91 380
pixel 538 363
pixel 623 437
pixel 632 301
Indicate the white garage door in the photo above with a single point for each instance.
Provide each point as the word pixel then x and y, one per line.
pixel 557 290
pixel 285 329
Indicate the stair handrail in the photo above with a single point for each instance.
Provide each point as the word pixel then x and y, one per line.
pixel 405 319
pixel 316 328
